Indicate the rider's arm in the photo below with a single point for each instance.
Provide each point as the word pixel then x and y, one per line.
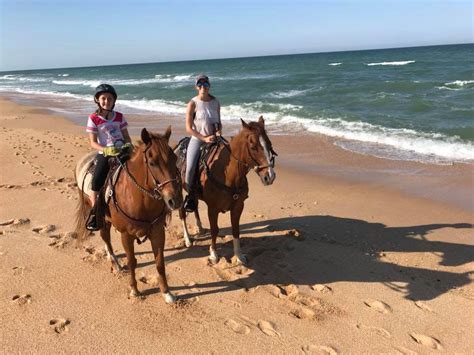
pixel 94 143
pixel 219 131
pixel 126 136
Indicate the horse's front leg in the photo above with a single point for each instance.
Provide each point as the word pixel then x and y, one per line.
pixel 187 239
pixel 235 214
pixel 105 235
pixel 127 242
pixel 213 215
pixel 157 240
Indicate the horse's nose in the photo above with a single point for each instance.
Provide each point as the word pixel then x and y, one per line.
pixel 173 203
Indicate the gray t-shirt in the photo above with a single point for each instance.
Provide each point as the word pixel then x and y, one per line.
pixel 206 116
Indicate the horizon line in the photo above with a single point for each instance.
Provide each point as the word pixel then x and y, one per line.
pixel 244 57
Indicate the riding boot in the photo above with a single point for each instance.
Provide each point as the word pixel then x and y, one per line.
pixel 91 223
pixel 190 204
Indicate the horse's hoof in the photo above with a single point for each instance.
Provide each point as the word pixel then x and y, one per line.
pixel 241 259
pixel 169 298
pixel 188 243
pixel 203 231
pixel 213 259
pixel 134 294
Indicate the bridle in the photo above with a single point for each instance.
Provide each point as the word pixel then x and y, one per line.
pixel 257 167
pixel 157 192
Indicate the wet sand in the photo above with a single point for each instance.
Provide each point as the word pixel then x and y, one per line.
pixel 347 253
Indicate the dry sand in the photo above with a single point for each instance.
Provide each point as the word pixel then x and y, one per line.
pixel 338 263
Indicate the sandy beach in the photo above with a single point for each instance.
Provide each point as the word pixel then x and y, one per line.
pixel 347 254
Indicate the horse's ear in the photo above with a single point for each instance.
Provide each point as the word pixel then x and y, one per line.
pixel 244 124
pixel 146 138
pixel 261 121
pixel 168 133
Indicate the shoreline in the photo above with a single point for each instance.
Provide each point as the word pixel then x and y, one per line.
pixel 315 154
pixel 335 265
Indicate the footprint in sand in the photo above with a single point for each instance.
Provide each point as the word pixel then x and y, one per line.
pixel 322 288
pixel 423 306
pixel 44 229
pixel 237 327
pixel 426 340
pixel 267 328
pixel 379 331
pixel 319 349
pixel 379 306
pixel 59 325
pixel 303 313
pixel 21 300
pixel 18 270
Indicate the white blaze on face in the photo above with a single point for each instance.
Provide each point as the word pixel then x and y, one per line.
pixel 271 173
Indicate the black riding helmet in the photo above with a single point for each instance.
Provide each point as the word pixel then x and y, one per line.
pixel 104 88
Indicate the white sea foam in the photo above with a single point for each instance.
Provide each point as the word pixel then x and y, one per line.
pixel 334 64
pixel 392 63
pixel 167 107
pixel 63 74
pixel 22 78
pixel 285 94
pixel 460 82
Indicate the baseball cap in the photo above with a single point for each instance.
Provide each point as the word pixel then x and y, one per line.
pixel 201 77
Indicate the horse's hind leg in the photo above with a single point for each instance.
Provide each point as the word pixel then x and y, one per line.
pixel 127 242
pixel 187 239
pixel 198 222
pixel 157 240
pixel 105 235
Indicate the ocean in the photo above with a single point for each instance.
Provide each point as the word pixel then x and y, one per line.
pixel 405 104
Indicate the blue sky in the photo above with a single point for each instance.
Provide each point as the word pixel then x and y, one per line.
pixel 39 34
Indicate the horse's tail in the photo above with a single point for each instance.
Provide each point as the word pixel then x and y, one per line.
pixel 82 208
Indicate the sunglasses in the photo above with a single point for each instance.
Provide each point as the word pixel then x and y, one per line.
pixel 203 83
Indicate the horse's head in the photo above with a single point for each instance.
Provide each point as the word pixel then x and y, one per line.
pixel 161 164
pixel 261 156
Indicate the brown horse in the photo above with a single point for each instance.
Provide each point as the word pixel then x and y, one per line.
pixel 224 183
pixel 142 196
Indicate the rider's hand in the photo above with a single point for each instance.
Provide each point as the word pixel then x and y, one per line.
pixel 209 139
pixel 127 147
pixel 111 151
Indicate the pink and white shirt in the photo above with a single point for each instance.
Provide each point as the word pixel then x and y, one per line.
pixel 108 131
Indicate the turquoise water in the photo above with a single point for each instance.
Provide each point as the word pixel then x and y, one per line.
pixel 409 103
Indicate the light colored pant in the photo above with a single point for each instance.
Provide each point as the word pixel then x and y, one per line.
pixel 192 159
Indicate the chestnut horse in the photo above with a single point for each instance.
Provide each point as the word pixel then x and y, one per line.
pixel 224 182
pixel 142 196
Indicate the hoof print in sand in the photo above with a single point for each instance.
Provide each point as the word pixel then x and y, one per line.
pixel 426 340
pixel 303 313
pixel 21 300
pixel 319 349
pixel 379 306
pixel 267 328
pixel 44 229
pixel 59 325
pixel 321 288
pixel 237 327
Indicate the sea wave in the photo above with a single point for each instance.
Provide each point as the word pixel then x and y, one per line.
pixel 457 85
pixel 412 142
pixel 285 94
pixel 334 64
pixel 12 77
pixel 392 63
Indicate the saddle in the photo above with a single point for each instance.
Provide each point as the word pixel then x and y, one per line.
pixel 208 152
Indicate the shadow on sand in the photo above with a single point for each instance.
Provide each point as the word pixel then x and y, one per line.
pixel 334 249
